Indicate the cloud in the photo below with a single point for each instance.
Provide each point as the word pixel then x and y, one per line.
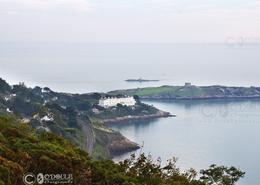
pixel 44 5
pixel 129 20
pixel 11 12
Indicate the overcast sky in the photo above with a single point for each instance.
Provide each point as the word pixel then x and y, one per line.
pixel 129 20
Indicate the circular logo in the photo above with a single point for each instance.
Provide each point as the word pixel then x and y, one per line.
pixel 29 178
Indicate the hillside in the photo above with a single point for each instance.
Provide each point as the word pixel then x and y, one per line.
pixel 191 92
pixel 76 117
pixel 23 150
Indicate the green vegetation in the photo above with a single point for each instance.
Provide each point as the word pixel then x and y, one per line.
pixel 191 92
pixel 123 110
pixel 221 175
pixel 67 115
pixel 177 91
pixel 22 151
pixel 4 87
pixel 152 91
pixel 99 151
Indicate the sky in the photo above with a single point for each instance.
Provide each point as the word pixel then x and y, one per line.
pixel 134 21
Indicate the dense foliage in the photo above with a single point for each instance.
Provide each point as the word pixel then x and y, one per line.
pixel 22 150
pixel 120 110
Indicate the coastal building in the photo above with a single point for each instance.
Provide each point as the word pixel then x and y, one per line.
pixel 187 84
pixel 113 101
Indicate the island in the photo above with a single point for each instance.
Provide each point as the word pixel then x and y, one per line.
pixel 141 80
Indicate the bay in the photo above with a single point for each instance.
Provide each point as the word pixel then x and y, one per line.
pixel 205 132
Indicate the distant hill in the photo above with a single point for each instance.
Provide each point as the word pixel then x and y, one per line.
pixel 191 92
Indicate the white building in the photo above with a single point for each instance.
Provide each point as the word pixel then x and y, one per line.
pixel 110 102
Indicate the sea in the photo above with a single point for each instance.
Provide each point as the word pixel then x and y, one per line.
pixel 81 68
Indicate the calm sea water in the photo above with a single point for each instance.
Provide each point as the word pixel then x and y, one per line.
pixel 84 68
pixel 203 133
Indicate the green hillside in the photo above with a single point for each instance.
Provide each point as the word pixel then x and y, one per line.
pixel 76 117
pixel 22 150
pixel 191 92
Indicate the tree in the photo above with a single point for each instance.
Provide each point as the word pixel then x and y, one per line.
pixel 220 175
pixel 137 99
pixel 4 86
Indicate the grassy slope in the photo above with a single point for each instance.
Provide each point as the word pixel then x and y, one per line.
pixel 191 91
pixel 151 91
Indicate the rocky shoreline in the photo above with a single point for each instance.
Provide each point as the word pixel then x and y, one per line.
pixel 114 142
pixel 121 146
pixel 160 114
pixel 117 143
